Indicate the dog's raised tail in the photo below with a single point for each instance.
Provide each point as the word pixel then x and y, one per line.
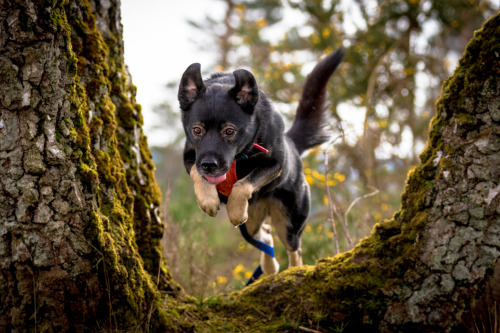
pixel 307 130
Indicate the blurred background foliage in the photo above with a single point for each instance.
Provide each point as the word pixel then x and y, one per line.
pixel 380 101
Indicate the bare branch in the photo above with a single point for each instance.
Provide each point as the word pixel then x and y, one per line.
pixel 330 204
pixel 355 201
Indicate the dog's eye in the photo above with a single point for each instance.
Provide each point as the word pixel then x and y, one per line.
pixel 229 131
pixel 197 130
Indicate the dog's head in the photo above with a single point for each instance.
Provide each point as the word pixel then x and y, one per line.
pixel 218 117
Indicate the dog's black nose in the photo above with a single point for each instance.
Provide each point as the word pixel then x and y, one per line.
pixel 209 164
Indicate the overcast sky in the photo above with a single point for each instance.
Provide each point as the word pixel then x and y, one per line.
pixel 159 47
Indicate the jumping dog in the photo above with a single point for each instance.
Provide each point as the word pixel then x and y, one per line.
pixel 238 153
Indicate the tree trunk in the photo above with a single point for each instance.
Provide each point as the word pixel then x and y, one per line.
pixel 79 225
pixel 79 228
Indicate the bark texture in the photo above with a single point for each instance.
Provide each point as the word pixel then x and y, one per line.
pixel 79 225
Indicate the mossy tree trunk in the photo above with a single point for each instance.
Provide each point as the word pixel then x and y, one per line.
pixel 79 246
pixel 79 225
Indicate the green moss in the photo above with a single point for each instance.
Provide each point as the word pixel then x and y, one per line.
pixel 126 113
pixel 434 140
pixel 140 178
pixel 105 168
pixel 88 174
pixel 465 119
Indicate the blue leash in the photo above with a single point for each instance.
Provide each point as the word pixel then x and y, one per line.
pixel 264 247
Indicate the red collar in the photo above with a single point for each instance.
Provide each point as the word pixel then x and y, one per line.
pixel 259 147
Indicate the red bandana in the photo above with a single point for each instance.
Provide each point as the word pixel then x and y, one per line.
pixel 225 187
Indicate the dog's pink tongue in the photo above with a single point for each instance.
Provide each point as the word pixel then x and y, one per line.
pixel 216 180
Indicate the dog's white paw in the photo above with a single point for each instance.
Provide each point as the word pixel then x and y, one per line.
pixel 237 203
pixel 269 265
pixel 209 204
pixel 295 258
pixel 206 193
pixel 237 210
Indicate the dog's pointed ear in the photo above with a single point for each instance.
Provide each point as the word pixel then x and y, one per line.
pixel 245 90
pixel 191 86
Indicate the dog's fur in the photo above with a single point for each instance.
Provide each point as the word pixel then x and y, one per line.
pixel 223 117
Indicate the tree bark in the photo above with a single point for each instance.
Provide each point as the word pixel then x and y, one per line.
pixel 79 225
pixel 79 247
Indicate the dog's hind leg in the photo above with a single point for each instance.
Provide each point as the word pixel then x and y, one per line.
pixel 289 232
pixel 269 264
pixel 257 213
pixel 295 258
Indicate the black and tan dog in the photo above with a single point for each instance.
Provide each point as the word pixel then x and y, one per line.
pixel 233 134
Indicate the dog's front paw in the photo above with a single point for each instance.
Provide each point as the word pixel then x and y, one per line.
pixel 208 198
pixel 237 211
pixel 237 203
pixel 209 203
